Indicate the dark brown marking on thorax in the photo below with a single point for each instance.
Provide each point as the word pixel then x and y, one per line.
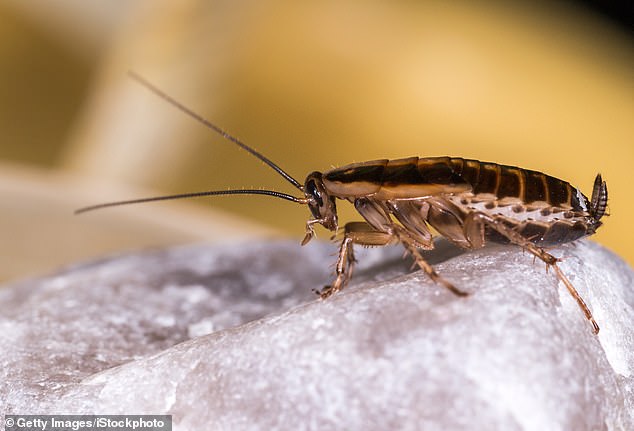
pixel 371 172
pixel 391 173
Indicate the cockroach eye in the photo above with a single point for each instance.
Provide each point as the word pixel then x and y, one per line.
pixel 313 191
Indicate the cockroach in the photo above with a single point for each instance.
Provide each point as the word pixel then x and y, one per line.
pixel 468 202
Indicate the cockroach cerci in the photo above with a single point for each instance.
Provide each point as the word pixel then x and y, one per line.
pixel 467 201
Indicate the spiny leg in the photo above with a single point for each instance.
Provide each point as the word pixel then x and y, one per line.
pixel 413 232
pixel 580 301
pixel 354 233
pixel 343 269
pixel 364 234
pixel 412 247
pixel 474 230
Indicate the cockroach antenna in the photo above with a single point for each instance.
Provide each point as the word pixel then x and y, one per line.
pixel 225 135
pixel 213 127
pixel 195 195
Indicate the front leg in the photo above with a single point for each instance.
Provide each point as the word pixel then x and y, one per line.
pixel 354 233
pixel 310 231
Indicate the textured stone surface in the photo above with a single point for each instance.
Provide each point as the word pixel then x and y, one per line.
pixel 233 338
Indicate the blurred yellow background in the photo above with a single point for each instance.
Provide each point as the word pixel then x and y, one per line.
pixel 312 85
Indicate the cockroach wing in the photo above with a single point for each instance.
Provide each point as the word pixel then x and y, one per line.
pixel 410 178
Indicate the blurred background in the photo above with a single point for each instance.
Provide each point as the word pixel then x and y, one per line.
pixel 542 85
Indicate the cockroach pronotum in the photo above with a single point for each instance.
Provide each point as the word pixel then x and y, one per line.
pixel 468 202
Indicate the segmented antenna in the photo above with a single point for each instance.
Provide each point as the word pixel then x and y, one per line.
pixel 195 195
pixel 215 128
pixel 225 135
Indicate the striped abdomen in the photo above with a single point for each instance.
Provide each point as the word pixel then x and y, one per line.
pixel 415 177
pixel 522 184
pixel 542 208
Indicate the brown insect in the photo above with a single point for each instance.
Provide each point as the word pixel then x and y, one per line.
pixel 467 201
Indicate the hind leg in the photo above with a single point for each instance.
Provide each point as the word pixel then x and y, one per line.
pixel 474 231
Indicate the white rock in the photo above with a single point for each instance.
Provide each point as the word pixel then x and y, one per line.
pixel 115 336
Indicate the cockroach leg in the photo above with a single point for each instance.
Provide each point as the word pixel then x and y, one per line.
pixel 364 234
pixel 354 233
pixel 343 269
pixel 310 231
pixel 411 246
pixel 476 221
pixel 580 301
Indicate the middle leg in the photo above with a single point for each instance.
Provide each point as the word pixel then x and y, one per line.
pixel 412 246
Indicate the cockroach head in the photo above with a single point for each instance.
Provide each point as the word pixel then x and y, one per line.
pixel 321 204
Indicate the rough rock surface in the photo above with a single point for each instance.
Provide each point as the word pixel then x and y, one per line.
pixel 233 338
